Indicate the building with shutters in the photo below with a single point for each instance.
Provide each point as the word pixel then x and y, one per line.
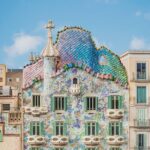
pixel 137 64
pixel 75 96
pixel 10 113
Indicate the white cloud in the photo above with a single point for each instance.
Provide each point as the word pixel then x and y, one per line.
pixel 139 43
pixel 23 43
pixel 138 13
pixel 145 15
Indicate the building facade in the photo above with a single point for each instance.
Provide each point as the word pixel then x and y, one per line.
pixel 137 64
pixel 10 112
pixel 75 96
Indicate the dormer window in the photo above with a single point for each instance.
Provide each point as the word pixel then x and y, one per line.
pixel 75 81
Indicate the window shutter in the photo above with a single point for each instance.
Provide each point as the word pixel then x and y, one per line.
pixel 144 95
pixel 85 103
pixel 65 103
pixel 109 129
pixel 120 102
pixel 145 140
pixel 1 135
pixel 52 104
pixel 121 128
pixel 109 102
pixel 31 128
pixel 86 129
pixel 96 103
pixel 65 129
pixel 54 128
pixel 97 128
pixel 42 131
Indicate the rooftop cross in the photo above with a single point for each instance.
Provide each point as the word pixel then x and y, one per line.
pixel 49 26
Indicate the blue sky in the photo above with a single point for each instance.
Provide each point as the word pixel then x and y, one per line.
pixel 118 24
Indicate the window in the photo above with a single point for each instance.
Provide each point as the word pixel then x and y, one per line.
pixel 91 128
pixel 59 149
pixel 91 103
pixel 60 128
pixel 94 148
pixel 1 134
pixel 1 90
pixel 141 117
pixel 37 128
pixel 115 148
pixel 115 128
pixel 59 103
pixel 75 81
pixel 9 79
pixel 141 70
pixel 35 148
pixel 1 79
pixel 36 100
pixel 6 107
pixel 141 94
pixel 141 141
pixel 115 102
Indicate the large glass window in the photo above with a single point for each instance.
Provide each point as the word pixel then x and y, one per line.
pixel 6 107
pixel 91 128
pixel 141 70
pixel 60 128
pixel 141 94
pixel 59 103
pixel 141 141
pixel 115 128
pixel 36 100
pixel 91 103
pixel 115 102
pixel 37 128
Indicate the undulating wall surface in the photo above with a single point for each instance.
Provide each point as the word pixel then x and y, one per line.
pixel 75 116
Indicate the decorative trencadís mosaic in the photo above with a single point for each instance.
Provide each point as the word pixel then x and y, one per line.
pixel 79 59
pixel 76 46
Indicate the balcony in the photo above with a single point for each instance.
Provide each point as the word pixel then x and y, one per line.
pixel 59 140
pixel 75 89
pixel 36 111
pixel 141 148
pixel 133 102
pixel 115 113
pixel 115 140
pixel 15 117
pixel 91 140
pixel 36 140
pixel 140 78
pixel 142 123
pixel 5 91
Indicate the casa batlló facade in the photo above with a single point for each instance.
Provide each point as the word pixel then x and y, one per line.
pixel 75 96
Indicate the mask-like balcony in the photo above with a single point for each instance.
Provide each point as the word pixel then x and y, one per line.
pixel 36 140
pixel 91 140
pixel 36 111
pixel 115 113
pixel 59 140
pixel 75 89
pixel 115 140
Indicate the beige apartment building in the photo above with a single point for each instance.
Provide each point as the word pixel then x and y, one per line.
pixel 137 64
pixel 10 112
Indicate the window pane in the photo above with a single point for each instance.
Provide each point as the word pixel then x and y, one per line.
pixel 141 94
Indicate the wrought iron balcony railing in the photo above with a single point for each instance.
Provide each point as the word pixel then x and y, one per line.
pixel 142 123
pixel 142 148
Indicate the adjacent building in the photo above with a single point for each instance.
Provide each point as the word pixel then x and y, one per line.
pixel 75 96
pixel 137 64
pixel 10 112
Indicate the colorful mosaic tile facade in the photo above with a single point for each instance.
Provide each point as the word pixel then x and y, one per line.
pixel 79 59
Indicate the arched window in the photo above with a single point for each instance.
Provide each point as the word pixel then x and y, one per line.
pixel 75 81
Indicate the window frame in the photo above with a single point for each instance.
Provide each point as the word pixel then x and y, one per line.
pixel 91 128
pixel 5 110
pixel 89 102
pixel 115 128
pixel 139 102
pixel 37 101
pixel 140 68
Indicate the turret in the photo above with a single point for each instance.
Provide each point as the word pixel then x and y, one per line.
pixel 49 54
